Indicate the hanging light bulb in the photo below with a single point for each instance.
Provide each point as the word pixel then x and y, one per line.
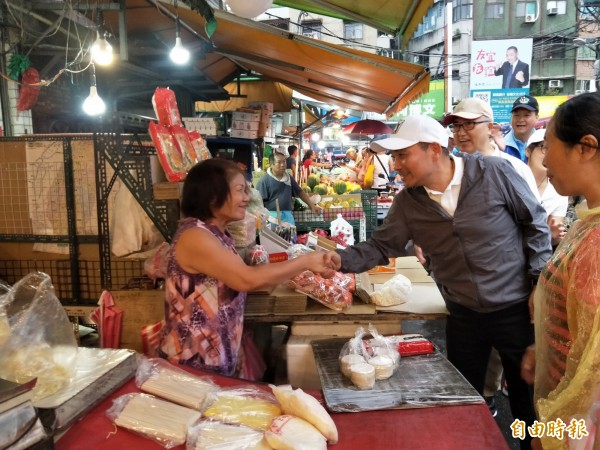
pixel 93 105
pixel 248 8
pixel 179 54
pixel 101 51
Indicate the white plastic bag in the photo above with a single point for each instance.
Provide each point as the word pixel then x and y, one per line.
pixel 342 230
pixel 395 291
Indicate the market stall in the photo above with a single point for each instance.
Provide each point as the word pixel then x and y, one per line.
pixel 451 427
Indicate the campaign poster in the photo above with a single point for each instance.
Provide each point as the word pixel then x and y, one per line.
pixel 430 104
pixel 500 73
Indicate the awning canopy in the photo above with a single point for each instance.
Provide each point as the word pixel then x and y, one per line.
pixel 251 91
pixel 327 72
pixel 399 17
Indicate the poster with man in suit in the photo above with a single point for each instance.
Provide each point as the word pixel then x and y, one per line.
pixel 515 73
pixel 500 73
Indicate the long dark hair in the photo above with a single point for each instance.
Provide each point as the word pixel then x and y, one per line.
pixel 206 187
pixel 307 155
pixel 577 117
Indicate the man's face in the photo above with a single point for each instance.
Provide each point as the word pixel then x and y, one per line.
pixel 414 164
pixel 474 139
pixel 522 121
pixel 278 168
pixel 511 56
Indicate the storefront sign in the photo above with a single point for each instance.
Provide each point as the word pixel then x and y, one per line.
pixel 430 104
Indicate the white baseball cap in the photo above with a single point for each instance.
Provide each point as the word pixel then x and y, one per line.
pixel 413 130
pixel 537 136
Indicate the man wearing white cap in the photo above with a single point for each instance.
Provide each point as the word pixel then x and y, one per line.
pixel 487 240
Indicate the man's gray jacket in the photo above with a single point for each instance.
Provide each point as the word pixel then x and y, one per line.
pixel 485 257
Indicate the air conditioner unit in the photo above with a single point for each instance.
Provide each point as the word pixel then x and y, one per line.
pixel 529 18
pixel 555 83
pixel 310 34
pixel 552 11
pixel 580 91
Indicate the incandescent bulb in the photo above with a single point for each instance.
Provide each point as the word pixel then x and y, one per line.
pixel 249 8
pixel 102 51
pixel 315 137
pixel 179 54
pixel 93 105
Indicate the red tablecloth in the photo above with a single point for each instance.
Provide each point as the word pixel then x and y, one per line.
pixel 439 428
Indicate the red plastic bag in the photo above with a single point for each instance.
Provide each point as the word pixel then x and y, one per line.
pixel 165 107
pixel 168 153
pixel 184 144
pixel 28 94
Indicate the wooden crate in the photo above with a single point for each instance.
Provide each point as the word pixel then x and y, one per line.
pixel 140 308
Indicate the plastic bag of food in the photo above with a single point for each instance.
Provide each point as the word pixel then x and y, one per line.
pixel 330 292
pixel 258 254
pixel 243 231
pixel 165 107
pixel 296 402
pixel 212 435
pixel 199 144
pixel 354 352
pixel 168 153
pixel 289 432
pixel 342 231
pixel 184 145
pixel 40 343
pixel 246 405
pixel 158 377
pixel 381 354
pixel 164 422
pixel 395 291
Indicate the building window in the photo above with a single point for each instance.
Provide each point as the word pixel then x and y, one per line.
pixel 524 8
pixel 494 9
pixel 584 85
pixel 553 48
pixel 556 6
pixel 353 30
pixel 462 10
pixel 312 28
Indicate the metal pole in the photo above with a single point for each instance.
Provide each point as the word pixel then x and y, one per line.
pixel 448 52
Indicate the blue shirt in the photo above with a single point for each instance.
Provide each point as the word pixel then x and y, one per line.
pixel 515 147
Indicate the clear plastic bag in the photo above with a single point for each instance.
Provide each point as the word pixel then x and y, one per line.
pixel 212 435
pixel 158 377
pixel 395 291
pixel 41 342
pixel 164 422
pixel 243 231
pixel 258 254
pixel 331 292
pixel 245 405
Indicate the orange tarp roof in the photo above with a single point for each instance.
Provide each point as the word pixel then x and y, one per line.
pixel 327 72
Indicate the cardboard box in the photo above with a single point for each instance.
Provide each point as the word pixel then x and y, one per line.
pixel 245 134
pixel 243 125
pixel 246 116
pixel 140 308
pixel 301 366
pixel 268 106
pixel 167 191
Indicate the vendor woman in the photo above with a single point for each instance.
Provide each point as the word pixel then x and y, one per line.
pixel 207 281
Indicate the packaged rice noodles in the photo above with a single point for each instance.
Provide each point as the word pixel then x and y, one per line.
pixel 168 153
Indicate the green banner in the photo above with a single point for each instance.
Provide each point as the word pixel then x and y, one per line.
pixel 430 104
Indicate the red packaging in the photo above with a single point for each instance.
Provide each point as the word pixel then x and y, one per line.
pixel 165 107
pixel 199 144
pixel 168 153
pixel 413 344
pixel 184 144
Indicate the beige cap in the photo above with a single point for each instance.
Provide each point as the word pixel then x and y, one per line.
pixel 470 108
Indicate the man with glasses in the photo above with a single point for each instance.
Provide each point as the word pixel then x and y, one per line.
pixel 487 240
pixel 278 186
pixel 472 122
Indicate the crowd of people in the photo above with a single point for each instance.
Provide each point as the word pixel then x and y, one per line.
pixel 517 279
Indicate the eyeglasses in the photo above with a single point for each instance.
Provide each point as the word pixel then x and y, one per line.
pixel 543 148
pixel 467 126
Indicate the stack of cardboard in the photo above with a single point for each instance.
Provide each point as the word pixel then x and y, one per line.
pixel 245 123
pixel 203 125
pixel 265 127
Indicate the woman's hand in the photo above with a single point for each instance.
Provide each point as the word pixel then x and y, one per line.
pixel 319 262
pixel 528 365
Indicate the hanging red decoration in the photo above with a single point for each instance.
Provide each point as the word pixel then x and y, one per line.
pixel 30 91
